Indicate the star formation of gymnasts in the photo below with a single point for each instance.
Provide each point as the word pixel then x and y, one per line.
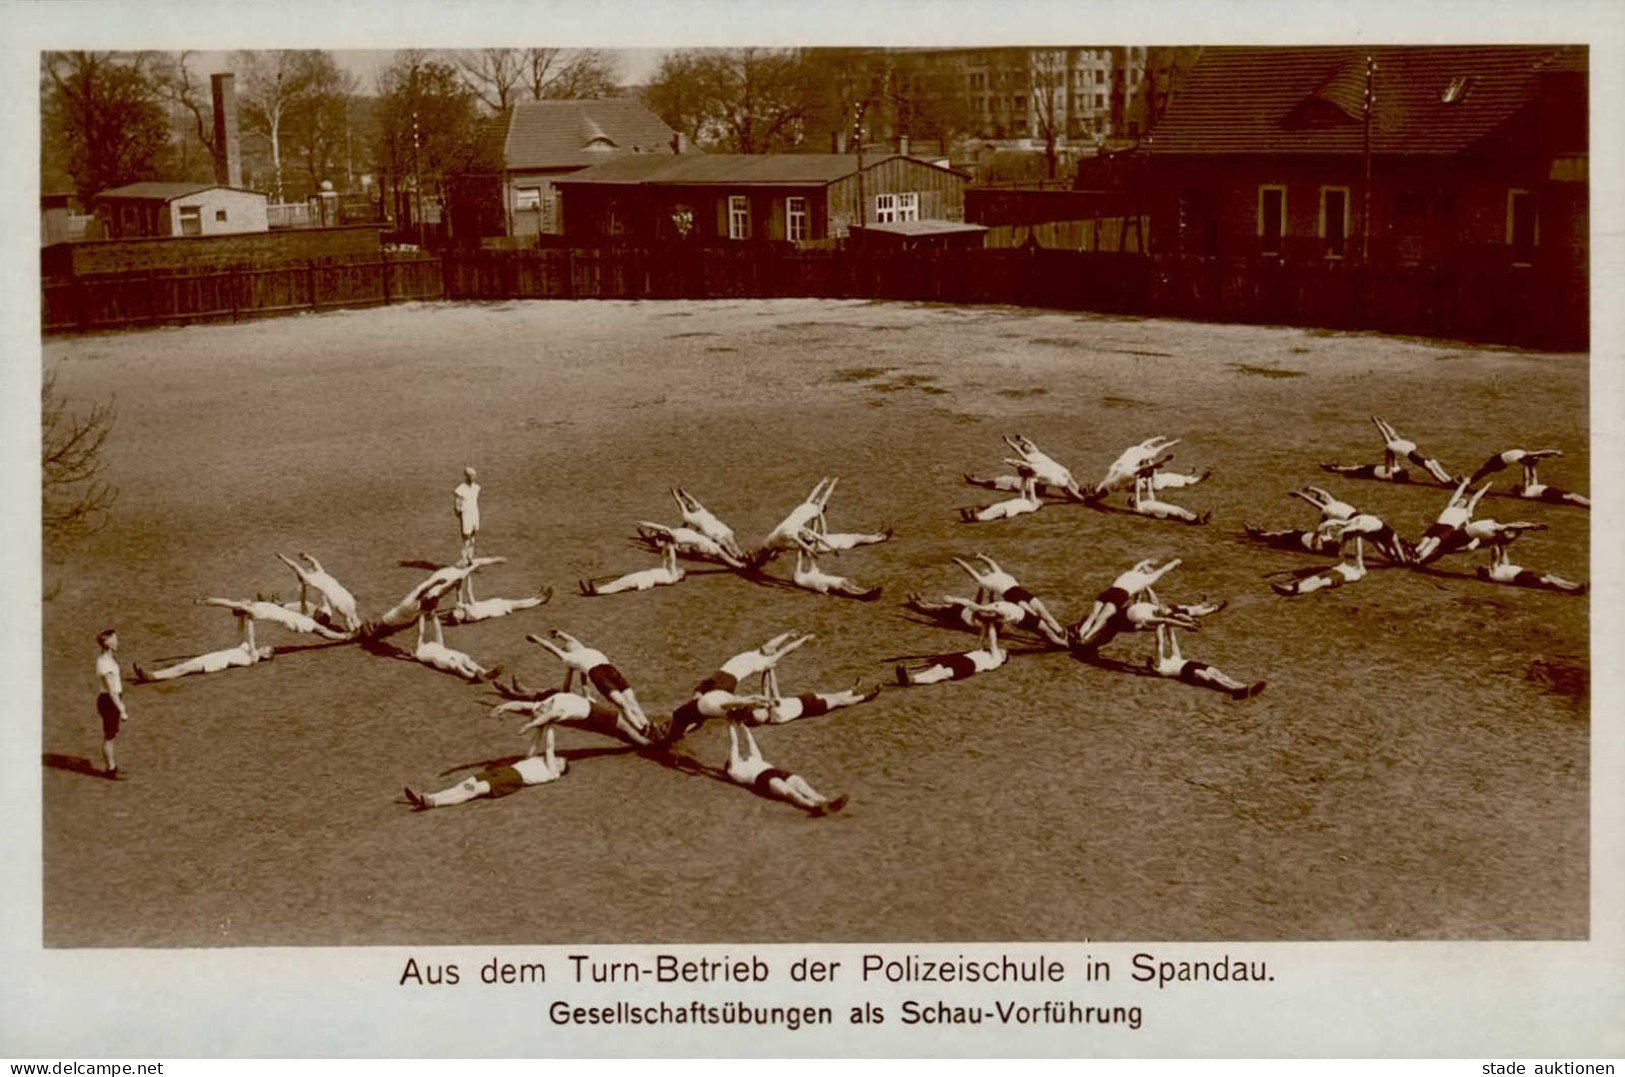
pixel 325 608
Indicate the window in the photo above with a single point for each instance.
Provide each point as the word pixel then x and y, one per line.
pixel 191 220
pixel 885 208
pixel 1271 219
pixel 1100 100
pixel 220 215
pixel 738 217
pixel 908 206
pixel 1334 219
pixel 1523 226
pixel 795 216
pixel 1021 100
pixel 1100 76
pixel 527 198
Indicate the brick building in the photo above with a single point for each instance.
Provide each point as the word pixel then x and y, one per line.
pixel 1477 154
pixel 544 141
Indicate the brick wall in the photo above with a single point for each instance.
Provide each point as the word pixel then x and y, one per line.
pixel 201 252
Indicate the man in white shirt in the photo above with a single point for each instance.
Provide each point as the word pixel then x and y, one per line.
pixel 465 505
pixel 110 703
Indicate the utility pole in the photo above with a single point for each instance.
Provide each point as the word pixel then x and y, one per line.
pixel 417 179
pixel 1365 210
pixel 858 110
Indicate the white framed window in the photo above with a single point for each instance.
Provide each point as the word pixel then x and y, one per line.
pixel 908 206
pixel 191 220
pixel 1523 225
pixel 885 208
pixel 1334 220
pixel 527 198
pixel 1271 218
pixel 738 217
pixel 795 218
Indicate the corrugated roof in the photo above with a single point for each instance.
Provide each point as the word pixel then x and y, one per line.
pixel 155 191
pixel 1311 99
pixel 736 169
pixel 922 228
pixel 556 134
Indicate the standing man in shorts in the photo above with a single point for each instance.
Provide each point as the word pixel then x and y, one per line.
pixel 465 504
pixel 110 703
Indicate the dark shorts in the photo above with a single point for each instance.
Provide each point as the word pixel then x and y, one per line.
pixel 504 781
pixel 1018 595
pixel 1113 596
pixel 812 705
pixel 686 717
pixel 110 715
pixel 959 665
pixel 720 681
pixel 763 781
pixel 1438 531
pixel 1189 670
pixel 607 679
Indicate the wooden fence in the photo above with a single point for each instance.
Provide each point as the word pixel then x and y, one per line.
pixel 1518 305
pixel 157 297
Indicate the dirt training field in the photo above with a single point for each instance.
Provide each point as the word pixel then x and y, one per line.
pixel 1417 767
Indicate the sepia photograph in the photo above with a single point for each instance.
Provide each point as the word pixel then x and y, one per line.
pixel 816 493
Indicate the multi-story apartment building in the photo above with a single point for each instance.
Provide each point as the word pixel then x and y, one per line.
pixel 1027 97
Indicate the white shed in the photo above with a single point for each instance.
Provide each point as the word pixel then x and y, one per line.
pixel 144 210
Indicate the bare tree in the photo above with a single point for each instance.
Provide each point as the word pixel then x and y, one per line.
pixel 495 75
pixel 190 94
pixel 74 498
pixel 573 74
pixel 273 82
pixel 1047 85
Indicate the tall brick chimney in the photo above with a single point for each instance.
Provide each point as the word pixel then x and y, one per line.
pixel 228 161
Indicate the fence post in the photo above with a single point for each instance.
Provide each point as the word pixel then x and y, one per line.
pixel 569 289
pixel 231 286
pixel 310 282
pixel 384 266
pixel 152 309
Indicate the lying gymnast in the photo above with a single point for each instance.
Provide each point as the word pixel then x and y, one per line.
pixel 698 517
pixel 1170 663
pixel 994 582
pixel 539 767
pixel 1446 534
pixel 335 599
pixel 987 656
pixel 277 614
pixel 595 669
pixel 1085 635
pixel 1394 448
pixel 669 572
pixel 754 772
pixel 1024 502
pixel 244 654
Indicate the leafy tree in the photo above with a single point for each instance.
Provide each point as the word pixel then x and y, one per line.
pixel 74 497
pixel 103 122
pixel 427 136
pixel 741 100
pixel 274 87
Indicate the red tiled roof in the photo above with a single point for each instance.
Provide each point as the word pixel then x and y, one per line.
pixel 735 169
pixel 557 134
pixel 1311 99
